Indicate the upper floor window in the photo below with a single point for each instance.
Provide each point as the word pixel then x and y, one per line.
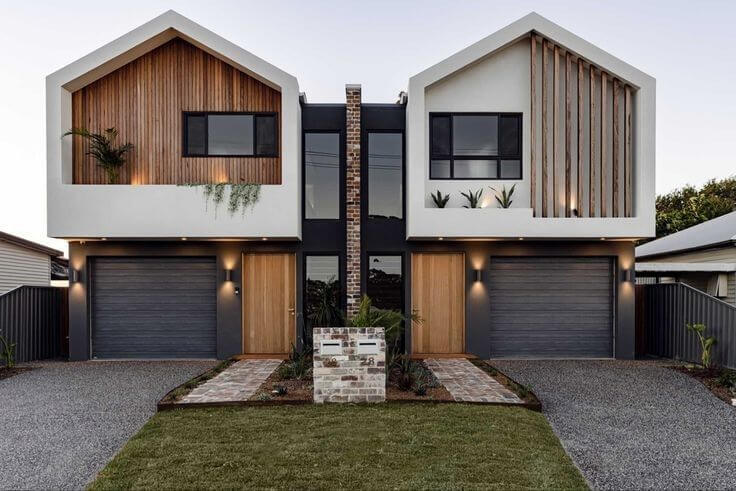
pixel 475 146
pixel 230 134
pixel 385 175
pixel 322 175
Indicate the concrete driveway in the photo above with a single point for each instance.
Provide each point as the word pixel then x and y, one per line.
pixel 633 425
pixel 62 422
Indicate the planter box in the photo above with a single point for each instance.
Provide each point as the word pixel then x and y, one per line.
pixel 349 364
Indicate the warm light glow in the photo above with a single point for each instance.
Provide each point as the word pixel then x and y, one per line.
pixel 440 238
pixel 103 238
pixel 603 238
pixel 521 238
pixel 265 238
pixel 183 238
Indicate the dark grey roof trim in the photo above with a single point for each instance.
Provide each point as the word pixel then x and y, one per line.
pixel 27 244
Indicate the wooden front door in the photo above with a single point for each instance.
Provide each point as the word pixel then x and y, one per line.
pixel 269 302
pixel 438 298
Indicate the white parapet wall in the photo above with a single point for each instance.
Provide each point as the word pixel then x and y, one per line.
pixel 349 364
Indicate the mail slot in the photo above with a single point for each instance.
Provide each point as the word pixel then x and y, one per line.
pixel 368 347
pixel 329 347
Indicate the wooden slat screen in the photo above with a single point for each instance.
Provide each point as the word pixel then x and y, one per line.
pixel 145 100
pixel 601 184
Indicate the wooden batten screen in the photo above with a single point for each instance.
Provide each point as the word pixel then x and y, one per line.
pixel 145 101
pixel 583 164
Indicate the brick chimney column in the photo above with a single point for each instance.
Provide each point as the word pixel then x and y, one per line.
pixel 352 176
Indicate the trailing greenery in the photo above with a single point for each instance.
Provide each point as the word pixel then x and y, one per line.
pixel 688 206
pixel 439 200
pixel 7 352
pixel 241 196
pixel 706 342
pixel 505 198
pixel 473 198
pixel 102 147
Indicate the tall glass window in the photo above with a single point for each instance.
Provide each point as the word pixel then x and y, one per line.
pixel 322 292
pixel 385 175
pixel 322 175
pixel 385 282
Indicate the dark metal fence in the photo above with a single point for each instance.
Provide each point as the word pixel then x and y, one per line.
pixel 36 319
pixel 663 311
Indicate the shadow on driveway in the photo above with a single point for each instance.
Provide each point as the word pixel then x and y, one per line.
pixel 62 422
pixel 634 425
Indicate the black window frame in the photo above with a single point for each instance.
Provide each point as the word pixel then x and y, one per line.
pixel 365 188
pixel 399 254
pixel 497 158
pixel 206 114
pixel 341 280
pixel 341 175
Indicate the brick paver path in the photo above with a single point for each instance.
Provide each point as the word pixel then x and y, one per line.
pixel 468 383
pixel 237 383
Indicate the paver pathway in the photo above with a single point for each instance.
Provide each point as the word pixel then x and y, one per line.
pixel 468 383
pixel 238 382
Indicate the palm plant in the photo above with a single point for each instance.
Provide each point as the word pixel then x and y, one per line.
pixel 706 342
pixel 473 198
pixel 505 198
pixel 102 147
pixel 439 200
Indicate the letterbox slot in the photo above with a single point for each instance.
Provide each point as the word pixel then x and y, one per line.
pixel 367 347
pixel 329 347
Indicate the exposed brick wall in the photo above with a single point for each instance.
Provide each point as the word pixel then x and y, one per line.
pixel 352 110
pixel 350 376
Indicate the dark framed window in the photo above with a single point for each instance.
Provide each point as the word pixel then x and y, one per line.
pixel 475 146
pixel 230 134
pixel 322 175
pixel 385 175
pixel 322 306
pixel 385 281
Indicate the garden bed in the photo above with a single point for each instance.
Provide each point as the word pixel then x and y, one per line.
pixel 523 392
pixel 6 372
pixel 720 381
pixel 414 382
pixel 297 390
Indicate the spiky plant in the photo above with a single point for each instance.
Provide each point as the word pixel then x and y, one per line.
pixel 473 198
pixel 504 198
pixel 103 149
pixel 439 200
pixel 706 342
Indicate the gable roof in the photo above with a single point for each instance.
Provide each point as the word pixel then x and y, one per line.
pixel 27 244
pixel 532 22
pixel 718 231
pixel 153 34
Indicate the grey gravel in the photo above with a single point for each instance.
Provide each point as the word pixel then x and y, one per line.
pixel 633 425
pixel 62 422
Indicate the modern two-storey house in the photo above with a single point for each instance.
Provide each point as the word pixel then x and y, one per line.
pixel 329 202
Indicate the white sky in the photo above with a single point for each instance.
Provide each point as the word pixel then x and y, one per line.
pixel 687 46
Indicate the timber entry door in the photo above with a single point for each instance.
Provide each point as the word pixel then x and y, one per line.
pixel 438 298
pixel 269 302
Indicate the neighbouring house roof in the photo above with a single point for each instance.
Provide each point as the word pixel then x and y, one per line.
pixel 27 244
pixel 685 267
pixel 718 231
pixel 59 268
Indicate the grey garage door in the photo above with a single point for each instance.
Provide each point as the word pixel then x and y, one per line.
pixel 154 307
pixel 551 307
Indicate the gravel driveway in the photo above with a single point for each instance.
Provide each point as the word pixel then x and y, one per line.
pixel 631 425
pixel 62 422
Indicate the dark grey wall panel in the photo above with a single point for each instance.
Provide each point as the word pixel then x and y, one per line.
pixel 551 307
pixel 154 307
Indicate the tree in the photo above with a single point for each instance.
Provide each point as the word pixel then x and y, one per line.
pixel 688 206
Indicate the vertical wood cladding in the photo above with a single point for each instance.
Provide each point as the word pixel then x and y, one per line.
pixel 145 99
pixel 602 180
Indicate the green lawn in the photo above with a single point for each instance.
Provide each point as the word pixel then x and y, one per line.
pixel 341 446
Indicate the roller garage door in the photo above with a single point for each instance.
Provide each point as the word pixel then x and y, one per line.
pixel 154 307
pixel 551 307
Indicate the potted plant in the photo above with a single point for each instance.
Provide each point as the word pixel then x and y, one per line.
pixel 473 198
pixel 103 149
pixel 504 198
pixel 440 201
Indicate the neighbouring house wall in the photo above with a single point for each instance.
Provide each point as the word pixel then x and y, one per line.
pixel 21 266
pixel 144 101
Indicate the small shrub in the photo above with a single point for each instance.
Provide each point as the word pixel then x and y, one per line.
pixel 727 379
pixel 298 366
pixel 280 390
pixel 7 351
pixel 420 389
pixel 439 200
pixel 706 342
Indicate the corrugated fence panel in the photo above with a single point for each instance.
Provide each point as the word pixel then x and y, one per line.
pixel 36 320
pixel 664 310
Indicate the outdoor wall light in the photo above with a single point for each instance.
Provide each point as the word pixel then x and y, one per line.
pixel 629 275
pixel 228 275
pixel 73 276
pixel 478 275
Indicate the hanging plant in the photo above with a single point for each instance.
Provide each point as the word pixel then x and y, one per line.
pixel 241 196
